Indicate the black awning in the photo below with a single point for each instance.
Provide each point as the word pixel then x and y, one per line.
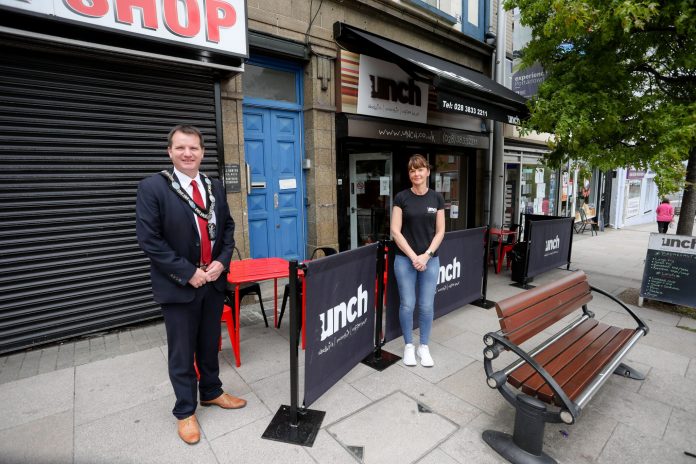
pixel 460 89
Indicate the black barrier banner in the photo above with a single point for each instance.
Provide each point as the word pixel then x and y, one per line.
pixel 459 283
pixel 549 244
pixel 340 317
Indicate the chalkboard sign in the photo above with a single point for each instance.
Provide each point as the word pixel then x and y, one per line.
pixel 232 180
pixel 670 270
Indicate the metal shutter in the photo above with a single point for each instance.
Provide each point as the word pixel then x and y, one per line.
pixel 78 132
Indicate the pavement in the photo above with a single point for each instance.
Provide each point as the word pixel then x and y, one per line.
pixel 107 398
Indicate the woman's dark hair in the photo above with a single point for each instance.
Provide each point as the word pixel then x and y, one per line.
pixel 417 162
pixel 665 200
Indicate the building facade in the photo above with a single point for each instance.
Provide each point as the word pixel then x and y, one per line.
pixel 309 156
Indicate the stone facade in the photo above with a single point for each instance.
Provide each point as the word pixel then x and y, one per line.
pixel 290 19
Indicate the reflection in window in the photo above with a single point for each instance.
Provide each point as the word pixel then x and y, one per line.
pixel 449 176
pixel 269 84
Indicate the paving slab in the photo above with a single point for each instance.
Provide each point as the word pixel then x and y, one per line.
pixel 628 445
pixel 469 384
pixel 645 415
pixel 263 353
pixel 327 450
pixel 582 441
pixel 447 362
pixel 44 395
pixel 112 385
pixel 680 431
pixel 401 378
pixel 467 445
pixel 245 445
pixel 437 456
pixel 672 389
pixel 48 440
pixel 146 433
pixel 397 419
pixel 215 421
pixel 658 358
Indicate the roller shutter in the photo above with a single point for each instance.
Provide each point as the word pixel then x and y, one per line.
pixel 78 133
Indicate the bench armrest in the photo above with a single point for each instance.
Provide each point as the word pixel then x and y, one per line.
pixel 639 321
pixel 500 378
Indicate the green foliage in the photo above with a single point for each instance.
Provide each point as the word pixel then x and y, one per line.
pixel 621 82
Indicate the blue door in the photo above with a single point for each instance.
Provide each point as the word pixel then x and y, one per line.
pixel 272 144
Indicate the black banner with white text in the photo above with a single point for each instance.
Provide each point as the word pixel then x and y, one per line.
pixel 459 283
pixel 549 244
pixel 340 316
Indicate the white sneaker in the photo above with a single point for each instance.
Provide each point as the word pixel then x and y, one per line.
pixel 424 354
pixel 410 355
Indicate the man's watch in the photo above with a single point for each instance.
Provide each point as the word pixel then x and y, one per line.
pixel 431 253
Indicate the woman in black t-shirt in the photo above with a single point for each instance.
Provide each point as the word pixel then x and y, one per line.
pixel 417 227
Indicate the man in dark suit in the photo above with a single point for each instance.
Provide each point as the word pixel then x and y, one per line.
pixel 184 226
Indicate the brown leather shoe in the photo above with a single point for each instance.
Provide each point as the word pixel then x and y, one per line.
pixel 226 401
pixel 189 430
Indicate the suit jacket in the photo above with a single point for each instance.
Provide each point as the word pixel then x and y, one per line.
pixel 167 233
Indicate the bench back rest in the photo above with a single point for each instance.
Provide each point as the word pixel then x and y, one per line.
pixel 526 314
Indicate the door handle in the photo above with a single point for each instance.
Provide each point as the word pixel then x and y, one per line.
pixel 275 200
pixel 248 178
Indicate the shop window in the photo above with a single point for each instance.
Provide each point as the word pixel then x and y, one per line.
pixel 633 198
pixel 538 190
pixel 269 84
pixel 449 176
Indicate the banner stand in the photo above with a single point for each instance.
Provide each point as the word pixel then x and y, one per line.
pixel 298 426
pixel 378 359
pixel 528 237
pixel 483 302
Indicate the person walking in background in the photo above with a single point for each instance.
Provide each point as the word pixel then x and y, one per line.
pixel 183 225
pixel 417 228
pixel 665 215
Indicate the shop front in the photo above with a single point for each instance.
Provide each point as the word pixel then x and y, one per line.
pixel 394 101
pixel 89 92
pixel 530 186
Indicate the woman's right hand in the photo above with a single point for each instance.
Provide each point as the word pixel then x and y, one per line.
pixel 420 262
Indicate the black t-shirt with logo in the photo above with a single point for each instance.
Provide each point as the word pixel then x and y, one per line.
pixel 419 214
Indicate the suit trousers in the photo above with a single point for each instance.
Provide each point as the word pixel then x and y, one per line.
pixel 194 329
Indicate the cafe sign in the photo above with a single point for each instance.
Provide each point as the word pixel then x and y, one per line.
pixel 219 25
pixel 448 103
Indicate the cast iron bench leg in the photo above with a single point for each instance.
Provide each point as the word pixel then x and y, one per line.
pixel 526 443
pixel 627 371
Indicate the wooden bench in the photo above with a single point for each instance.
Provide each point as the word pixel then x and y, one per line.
pixel 554 381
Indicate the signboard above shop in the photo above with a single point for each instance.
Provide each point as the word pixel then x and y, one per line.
pixel 215 25
pixel 449 103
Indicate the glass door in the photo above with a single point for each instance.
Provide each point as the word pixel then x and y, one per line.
pixel 370 197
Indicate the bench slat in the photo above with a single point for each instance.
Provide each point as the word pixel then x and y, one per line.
pixel 544 315
pixel 522 373
pixel 586 374
pixel 561 361
pixel 511 305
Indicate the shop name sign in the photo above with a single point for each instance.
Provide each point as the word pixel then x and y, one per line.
pixel 214 24
pixel 386 91
pixel 448 103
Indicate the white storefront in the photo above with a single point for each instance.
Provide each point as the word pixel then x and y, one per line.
pixel 634 198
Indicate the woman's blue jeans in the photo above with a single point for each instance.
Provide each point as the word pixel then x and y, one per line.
pixel 411 283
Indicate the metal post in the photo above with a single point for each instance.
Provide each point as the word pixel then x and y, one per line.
pixel 483 302
pixel 291 425
pixel 379 359
pixel 293 343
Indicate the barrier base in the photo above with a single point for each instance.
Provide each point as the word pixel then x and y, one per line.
pixel 303 433
pixel 380 363
pixel 522 285
pixel 483 303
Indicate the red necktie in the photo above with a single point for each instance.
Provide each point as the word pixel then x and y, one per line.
pixel 206 252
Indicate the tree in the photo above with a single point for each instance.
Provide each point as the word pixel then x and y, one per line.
pixel 620 88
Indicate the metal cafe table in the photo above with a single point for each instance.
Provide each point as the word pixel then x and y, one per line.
pixel 252 270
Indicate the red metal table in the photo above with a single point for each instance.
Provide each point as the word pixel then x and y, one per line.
pixel 253 270
pixel 502 235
